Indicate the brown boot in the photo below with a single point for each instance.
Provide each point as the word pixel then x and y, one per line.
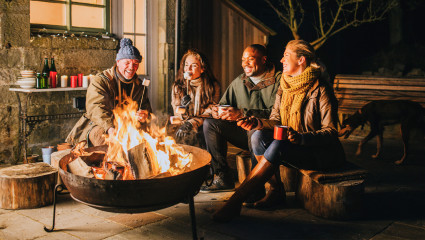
pixel 258 176
pixel 275 196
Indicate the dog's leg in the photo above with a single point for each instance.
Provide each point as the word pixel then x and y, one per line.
pixel 373 132
pixel 405 134
pixel 379 142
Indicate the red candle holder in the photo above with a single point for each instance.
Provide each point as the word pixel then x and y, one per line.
pixel 52 78
pixel 73 81
pixel 80 80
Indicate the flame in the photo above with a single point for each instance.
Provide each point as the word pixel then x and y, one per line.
pixel 164 154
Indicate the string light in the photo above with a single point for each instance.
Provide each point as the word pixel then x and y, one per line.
pixel 43 33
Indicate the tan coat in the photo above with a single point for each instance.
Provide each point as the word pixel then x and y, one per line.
pixel 101 99
pixel 319 124
pixel 205 111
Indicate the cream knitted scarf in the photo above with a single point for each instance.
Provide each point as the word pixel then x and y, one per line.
pixel 294 91
pixel 196 90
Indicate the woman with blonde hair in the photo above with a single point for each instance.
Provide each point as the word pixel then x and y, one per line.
pixel 305 103
pixel 195 90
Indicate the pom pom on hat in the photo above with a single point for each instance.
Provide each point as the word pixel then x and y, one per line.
pixel 128 51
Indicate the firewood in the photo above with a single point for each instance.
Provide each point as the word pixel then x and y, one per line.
pixel 139 161
pixel 79 167
pixel 93 158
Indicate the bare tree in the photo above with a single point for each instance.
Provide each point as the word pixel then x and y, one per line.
pixel 332 16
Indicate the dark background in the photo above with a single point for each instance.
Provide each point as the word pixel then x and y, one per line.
pixel 355 49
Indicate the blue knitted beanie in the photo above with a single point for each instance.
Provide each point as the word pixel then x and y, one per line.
pixel 128 51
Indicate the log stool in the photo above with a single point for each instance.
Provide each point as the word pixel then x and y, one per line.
pixel 334 194
pixel 27 186
pixel 243 165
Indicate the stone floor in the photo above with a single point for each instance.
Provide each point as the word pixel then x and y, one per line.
pixel 394 209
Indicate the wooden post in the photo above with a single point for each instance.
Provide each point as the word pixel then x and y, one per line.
pixel 27 186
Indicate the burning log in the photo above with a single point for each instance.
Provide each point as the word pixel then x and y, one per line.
pixel 139 162
pixel 79 167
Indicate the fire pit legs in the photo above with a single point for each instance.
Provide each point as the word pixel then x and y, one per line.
pixel 193 217
pixel 58 188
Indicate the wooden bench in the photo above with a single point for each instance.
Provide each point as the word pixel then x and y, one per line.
pixel 333 195
pixel 354 91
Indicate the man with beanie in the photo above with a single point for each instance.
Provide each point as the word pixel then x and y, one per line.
pixel 107 90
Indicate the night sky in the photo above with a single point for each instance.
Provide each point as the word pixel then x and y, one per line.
pixel 354 50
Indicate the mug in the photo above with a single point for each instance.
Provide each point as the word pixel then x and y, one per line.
pixel 280 132
pixel 222 108
pixel 176 120
pixel 181 110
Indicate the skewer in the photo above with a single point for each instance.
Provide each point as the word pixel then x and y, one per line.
pixel 145 84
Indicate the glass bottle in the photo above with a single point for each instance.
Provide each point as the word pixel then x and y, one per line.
pixel 38 81
pixel 53 69
pixel 44 81
pixel 46 68
pixel 52 65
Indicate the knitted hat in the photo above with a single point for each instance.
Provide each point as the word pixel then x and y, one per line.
pixel 128 51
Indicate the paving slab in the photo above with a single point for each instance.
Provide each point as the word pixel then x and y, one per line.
pixel 402 231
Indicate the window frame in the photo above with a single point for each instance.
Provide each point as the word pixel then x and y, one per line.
pixel 118 29
pixel 69 28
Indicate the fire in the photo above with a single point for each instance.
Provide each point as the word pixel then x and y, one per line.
pixel 164 155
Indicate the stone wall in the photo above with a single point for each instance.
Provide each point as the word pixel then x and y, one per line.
pixel 20 50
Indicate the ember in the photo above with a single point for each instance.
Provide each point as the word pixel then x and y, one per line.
pixel 134 153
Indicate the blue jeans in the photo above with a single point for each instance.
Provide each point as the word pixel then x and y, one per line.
pixel 280 152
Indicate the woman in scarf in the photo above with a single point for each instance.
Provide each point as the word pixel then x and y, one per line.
pixel 195 90
pixel 307 106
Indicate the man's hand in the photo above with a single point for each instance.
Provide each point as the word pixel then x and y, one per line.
pixel 248 123
pixel 183 131
pixel 294 136
pixel 214 111
pixel 142 115
pixel 231 114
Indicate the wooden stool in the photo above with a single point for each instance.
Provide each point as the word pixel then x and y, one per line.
pixel 333 194
pixel 243 164
pixel 27 186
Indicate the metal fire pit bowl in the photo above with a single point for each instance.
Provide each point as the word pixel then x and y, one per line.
pixel 135 196
pixel 139 195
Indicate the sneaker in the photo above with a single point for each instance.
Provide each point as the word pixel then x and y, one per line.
pixel 220 184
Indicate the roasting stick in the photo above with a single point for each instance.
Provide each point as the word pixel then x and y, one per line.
pixel 145 83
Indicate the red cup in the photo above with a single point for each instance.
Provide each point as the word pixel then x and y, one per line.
pixel 73 81
pixel 280 132
pixel 52 78
pixel 80 80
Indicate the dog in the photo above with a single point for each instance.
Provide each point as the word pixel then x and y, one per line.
pixel 380 113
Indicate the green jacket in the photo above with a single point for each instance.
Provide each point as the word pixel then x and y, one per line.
pixel 254 100
pixel 101 99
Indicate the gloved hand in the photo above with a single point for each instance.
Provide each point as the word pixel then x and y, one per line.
pixel 185 100
pixel 184 131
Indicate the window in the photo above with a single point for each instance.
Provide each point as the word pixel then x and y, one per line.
pixel 70 15
pixel 134 27
pixel 130 21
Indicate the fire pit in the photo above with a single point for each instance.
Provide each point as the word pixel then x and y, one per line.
pixel 140 195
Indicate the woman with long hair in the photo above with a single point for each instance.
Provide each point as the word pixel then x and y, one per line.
pixel 195 91
pixel 306 105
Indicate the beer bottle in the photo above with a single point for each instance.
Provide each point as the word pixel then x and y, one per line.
pixel 38 81
pixel 44 80
pixel 53 69
pixel 52 65
pixel 46 69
